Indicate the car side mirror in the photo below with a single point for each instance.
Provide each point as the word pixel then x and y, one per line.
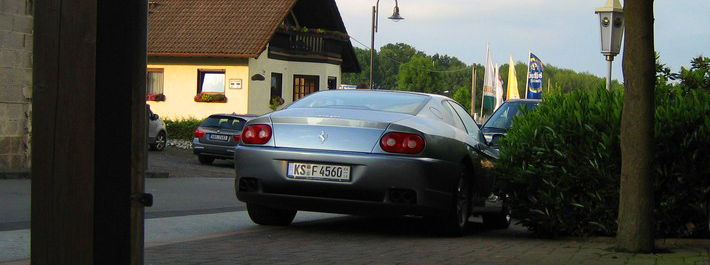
pixel 154 117
pixel 495 140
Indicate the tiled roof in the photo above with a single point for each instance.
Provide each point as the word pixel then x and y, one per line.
pixel 220 28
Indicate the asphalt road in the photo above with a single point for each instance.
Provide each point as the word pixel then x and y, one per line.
pixel 195 200
pixel 191 188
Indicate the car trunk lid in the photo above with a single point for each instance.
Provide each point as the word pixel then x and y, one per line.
pixel 331 129
pixel 219 136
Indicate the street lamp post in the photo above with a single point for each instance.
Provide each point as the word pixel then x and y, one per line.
pixel 395 17
pixel 611 24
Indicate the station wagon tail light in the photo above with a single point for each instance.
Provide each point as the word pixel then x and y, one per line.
pixel 256 134
pixel 405 143
pixel 199 134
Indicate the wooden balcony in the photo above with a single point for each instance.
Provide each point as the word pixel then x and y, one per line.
pixel 306 47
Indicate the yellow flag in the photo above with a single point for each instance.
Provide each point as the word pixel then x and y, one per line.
pixel 512 81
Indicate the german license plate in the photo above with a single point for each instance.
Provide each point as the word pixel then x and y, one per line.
pixel 219 137
pixel 318 172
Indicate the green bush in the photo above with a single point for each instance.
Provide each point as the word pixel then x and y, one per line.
pixel 561 163
pixel 182 129
pixel 682 162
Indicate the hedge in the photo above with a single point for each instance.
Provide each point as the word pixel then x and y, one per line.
pixel 182 129
pixel 561 163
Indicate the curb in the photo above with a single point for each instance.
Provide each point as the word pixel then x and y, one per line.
pixel 27 174
pixel 156 175
pixel 660 242
pixel 15 173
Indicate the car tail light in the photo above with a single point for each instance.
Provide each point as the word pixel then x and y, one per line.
pixel 237 137
pixel 199 134
pixel 256 134
pixel 405 143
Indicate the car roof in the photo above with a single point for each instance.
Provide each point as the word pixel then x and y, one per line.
pixel 524 100
pixel 234 115
pixel 387 91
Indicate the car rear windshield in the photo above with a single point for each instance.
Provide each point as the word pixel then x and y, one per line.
pixel 221 122
pixel 368 100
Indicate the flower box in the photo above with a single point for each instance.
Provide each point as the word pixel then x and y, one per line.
pixel 155 97
pixel 211 97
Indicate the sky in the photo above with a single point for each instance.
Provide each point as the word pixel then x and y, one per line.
pixel 564 33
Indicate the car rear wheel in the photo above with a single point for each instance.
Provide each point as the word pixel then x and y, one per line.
pixel 206 160
pixel 456 221
pixel 499 220
pixel 263 215
pixel 161 140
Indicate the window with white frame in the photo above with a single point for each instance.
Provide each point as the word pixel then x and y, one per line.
pixel 210 81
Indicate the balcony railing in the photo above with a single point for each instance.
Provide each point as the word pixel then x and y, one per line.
pixel 306 47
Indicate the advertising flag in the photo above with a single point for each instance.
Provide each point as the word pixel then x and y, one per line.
pixel 512 81
pixel 488 86
pixel 535 70
pixel 498 88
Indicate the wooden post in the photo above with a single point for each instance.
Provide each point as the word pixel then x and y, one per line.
pixel 88 152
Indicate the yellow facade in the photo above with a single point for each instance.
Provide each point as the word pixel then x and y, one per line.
pixel 180 82
pixel 180 77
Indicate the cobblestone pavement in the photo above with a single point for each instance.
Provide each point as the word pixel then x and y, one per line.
pixel 182 163
pixel 360 240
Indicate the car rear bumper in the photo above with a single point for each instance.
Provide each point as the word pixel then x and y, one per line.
pixel 376 187
pixel 220 151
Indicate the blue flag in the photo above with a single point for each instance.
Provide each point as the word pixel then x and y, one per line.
pixel 535 69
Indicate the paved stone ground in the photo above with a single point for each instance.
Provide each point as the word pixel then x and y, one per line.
pixel 182 163
pixel 404 241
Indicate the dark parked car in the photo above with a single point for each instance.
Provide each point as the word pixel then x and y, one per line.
pixel 367 152
pixel 157 134
pixel 498 124
pixel 217 136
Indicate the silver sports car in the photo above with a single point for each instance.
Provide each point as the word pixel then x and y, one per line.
pixel 368 152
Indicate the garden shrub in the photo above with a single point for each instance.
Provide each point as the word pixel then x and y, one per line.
pixel 682 162
pixel 561 163
pixel 182 129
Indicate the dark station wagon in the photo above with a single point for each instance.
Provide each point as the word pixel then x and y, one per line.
pixel 217 136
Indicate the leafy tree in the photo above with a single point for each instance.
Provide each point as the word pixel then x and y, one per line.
pixel 698 76
pixel 363 77
pixel 452 72
pixel 390 58
pixel 418 75
pixel 463 96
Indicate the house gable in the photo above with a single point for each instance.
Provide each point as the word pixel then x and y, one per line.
pixel 213 28
pixel 241 28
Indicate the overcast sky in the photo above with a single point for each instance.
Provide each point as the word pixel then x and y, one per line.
pixel 564 33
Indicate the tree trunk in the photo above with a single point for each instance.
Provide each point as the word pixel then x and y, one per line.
pixel 636 224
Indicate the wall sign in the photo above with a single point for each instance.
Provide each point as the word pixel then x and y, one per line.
pixel 235 83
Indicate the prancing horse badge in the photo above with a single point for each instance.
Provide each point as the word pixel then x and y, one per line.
pixel 323 136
